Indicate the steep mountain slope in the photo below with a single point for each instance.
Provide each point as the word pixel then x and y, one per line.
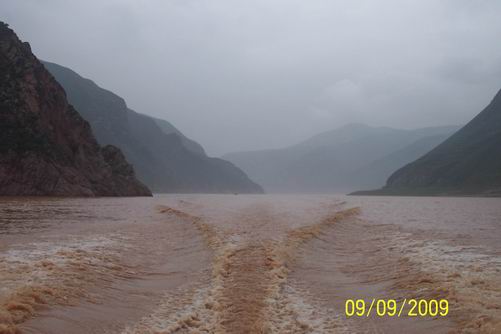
pixel 468 163
pixel 164 158
pixel 190 144
pixel 375 173
pixel 340 160
pixel 46 148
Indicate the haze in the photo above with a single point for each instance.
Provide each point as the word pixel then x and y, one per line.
pixel 245 75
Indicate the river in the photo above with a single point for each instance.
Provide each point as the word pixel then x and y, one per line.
pixel 246 263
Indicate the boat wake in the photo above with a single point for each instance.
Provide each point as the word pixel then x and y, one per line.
pixel 218 264
pixel 248 290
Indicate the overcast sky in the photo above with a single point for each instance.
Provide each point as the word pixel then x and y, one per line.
pixel 241 75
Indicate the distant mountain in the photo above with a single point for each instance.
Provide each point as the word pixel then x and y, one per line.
pixel 345 159
pixel 467 163
pixel 164 158
pixel 46 147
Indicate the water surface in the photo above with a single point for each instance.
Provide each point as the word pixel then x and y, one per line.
pixel 246 263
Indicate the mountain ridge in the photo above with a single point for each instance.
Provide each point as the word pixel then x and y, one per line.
pixel 335 161
pixel 466 164
pixel 164 158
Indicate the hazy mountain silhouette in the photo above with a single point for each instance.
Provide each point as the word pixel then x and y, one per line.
pixel 164 158
pixel 190 144
pixel 345 159
pixel 467 163
pixel 46 147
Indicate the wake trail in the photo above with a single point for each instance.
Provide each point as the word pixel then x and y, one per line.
pixel 248 290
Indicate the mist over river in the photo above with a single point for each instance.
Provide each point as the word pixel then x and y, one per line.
pixel 246 263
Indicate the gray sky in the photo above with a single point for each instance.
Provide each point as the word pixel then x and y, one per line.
pixel 240 75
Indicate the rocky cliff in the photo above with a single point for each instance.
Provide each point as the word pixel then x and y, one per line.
pixel 46 148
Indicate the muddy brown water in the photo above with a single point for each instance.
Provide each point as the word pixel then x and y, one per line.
pixel 246 263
